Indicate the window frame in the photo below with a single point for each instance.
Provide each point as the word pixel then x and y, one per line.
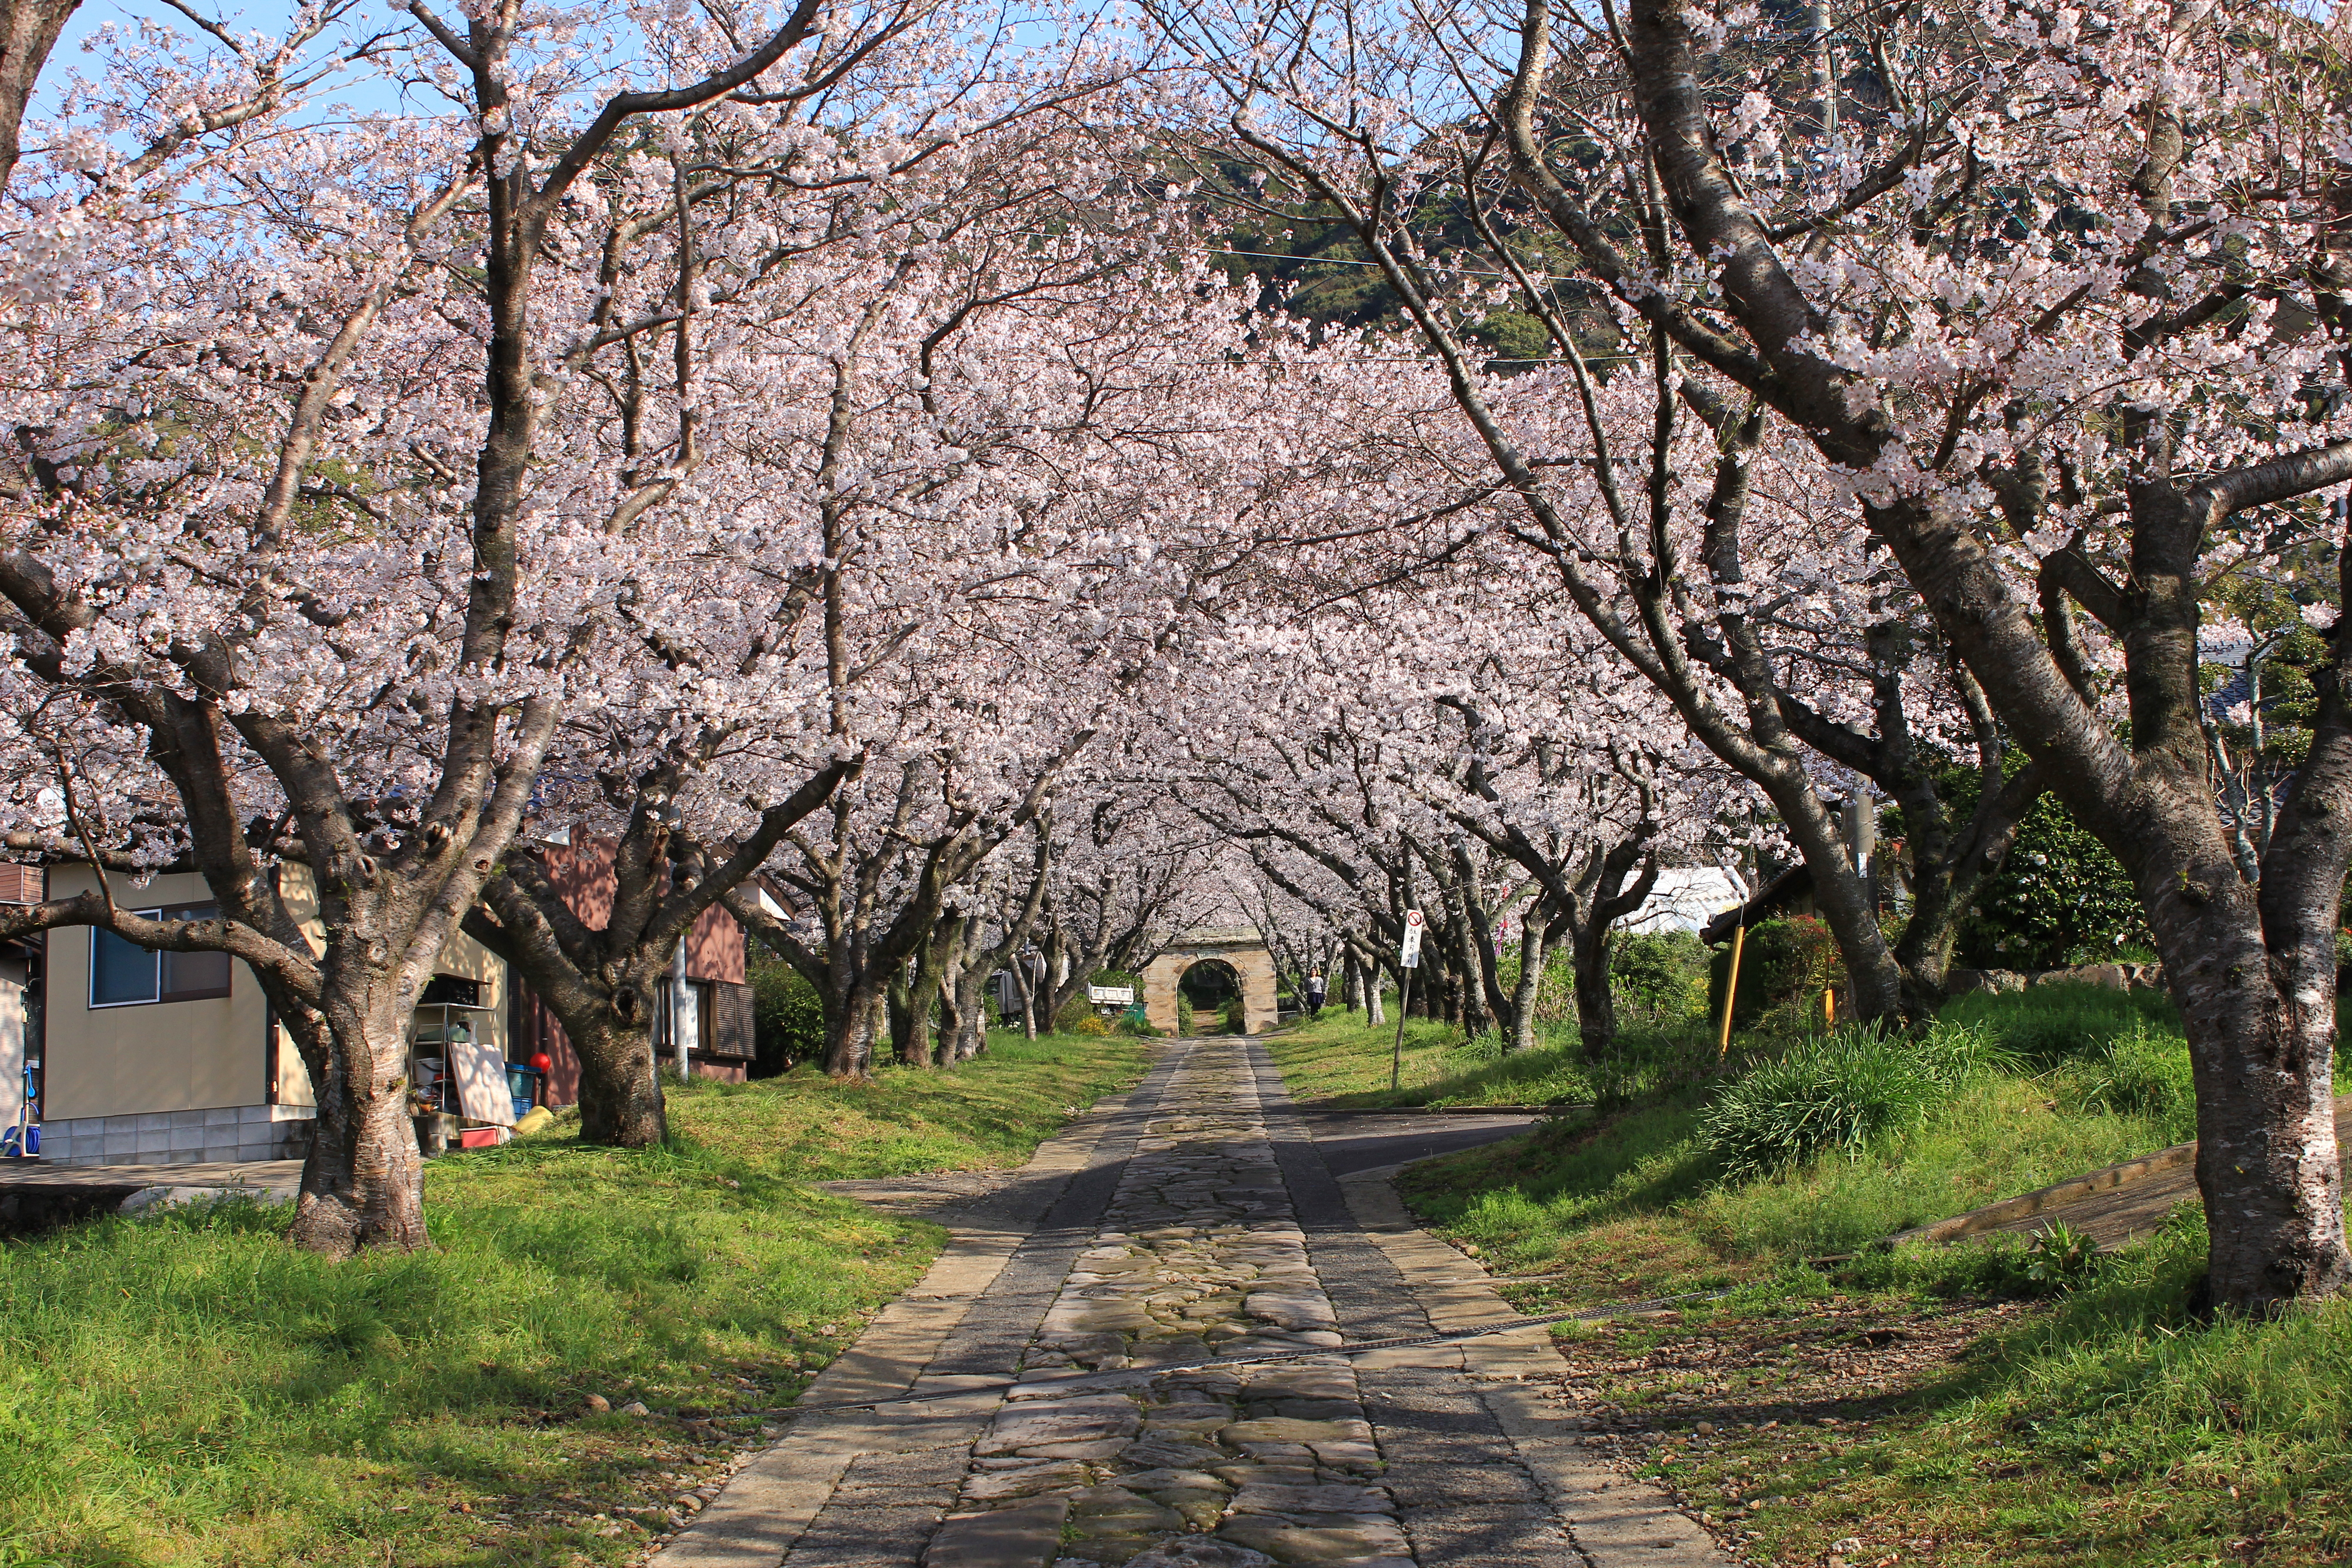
pixel 160 995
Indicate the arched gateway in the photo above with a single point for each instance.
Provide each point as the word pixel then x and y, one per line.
pixel 1241 948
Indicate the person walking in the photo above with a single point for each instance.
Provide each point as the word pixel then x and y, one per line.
pixel 1315 995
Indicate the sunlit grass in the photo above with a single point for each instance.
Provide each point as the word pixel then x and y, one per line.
pixel 2112 1429
pixel 187 1389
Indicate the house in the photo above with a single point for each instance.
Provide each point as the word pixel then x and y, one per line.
pixel 147 1058
pixel 704 1001
pixel 1790 892
pixel 1685 898
pixel 152 1057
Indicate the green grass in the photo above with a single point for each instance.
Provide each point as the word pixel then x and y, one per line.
pixel 2109 1428
pixel 1341 1060
pixel 187 1389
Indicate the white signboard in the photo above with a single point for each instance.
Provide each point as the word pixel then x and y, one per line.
pixel 1411 957
pixel 480 1069
pixel 1123 996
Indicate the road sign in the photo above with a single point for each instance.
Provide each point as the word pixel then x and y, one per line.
pixel 1410 958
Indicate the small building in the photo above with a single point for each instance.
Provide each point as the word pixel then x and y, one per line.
pixel 1790 892
pixel 1685 898
pixel 153 1058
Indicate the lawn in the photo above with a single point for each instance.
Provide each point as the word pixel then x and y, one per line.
pixel 1968 1406
pixel 1341 1060
pixel 186 1389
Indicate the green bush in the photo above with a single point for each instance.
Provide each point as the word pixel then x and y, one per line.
pixel 1837 1094
pixel 787 1016
pixel 1659 971
pixel 1236 1017
pixel 1783 964
pixel 2060 899
pixel 1184 1023
pixel 1073 1011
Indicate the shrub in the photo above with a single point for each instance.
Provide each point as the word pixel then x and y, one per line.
pixel 1782 964
pixel 1090 1024
pixel 1136 1025
pixel 1074 1011
pixel 1836 1095
pixel 1184 1023
pixel 787 1016
pixel 2061 898
pixel 1236 1016
pixel 2060 1258
pixel 1659 971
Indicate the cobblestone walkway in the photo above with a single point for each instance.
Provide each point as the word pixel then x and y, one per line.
pixel 1191 1219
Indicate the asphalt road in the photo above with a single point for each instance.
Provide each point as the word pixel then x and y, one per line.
pixel 1356 1141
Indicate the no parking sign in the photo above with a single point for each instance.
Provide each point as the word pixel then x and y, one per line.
pixel 1410 958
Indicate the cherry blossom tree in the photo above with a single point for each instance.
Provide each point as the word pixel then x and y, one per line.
pixel 2054 300
pixel 286 521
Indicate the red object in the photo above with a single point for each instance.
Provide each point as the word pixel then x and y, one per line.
pixel 542 1064
pixel 481 1137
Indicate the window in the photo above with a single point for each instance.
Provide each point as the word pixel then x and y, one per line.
pixel 454 989
pixel 681 1014
pixel 123 973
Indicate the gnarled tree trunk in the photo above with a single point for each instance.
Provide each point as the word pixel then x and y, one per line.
pixel 362 1181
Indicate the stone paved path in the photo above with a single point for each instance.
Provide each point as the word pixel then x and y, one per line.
pixel 1190 1219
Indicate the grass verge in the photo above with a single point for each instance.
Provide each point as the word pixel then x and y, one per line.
pixel 1341 1060
pixel 186 1389
pixel 1936 1406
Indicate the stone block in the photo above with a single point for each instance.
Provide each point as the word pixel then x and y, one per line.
pixel 1364 1537
pixel 1026 1535
pixel 1042 1423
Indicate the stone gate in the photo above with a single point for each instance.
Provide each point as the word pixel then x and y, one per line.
pixel 1240 947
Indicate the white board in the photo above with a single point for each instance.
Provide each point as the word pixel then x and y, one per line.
pixel 480 1069
pixel 12 1053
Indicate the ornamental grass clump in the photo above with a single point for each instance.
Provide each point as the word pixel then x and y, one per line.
pixel 1838 1093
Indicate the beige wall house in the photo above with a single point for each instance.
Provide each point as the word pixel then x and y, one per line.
pixel 173 1058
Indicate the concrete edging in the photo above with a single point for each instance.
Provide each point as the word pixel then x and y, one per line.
pixel 2026 1205
pixel 1613 1519
pixel 2057 1195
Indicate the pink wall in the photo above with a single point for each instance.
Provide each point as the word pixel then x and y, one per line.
pixel 581 872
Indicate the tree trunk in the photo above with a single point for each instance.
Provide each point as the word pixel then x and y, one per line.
pixel 28 31
pixel 849 1031
pixel 2259 1016
pixel 969 1008
pixel 1596 1005
pixel 364 1180
pixel 898 1013
pixel 621 1102
pixel 1522 1035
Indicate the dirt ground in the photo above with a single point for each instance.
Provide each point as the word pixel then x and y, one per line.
pixel 1717 1411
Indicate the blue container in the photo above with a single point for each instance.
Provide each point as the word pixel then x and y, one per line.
pixel 522 1106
